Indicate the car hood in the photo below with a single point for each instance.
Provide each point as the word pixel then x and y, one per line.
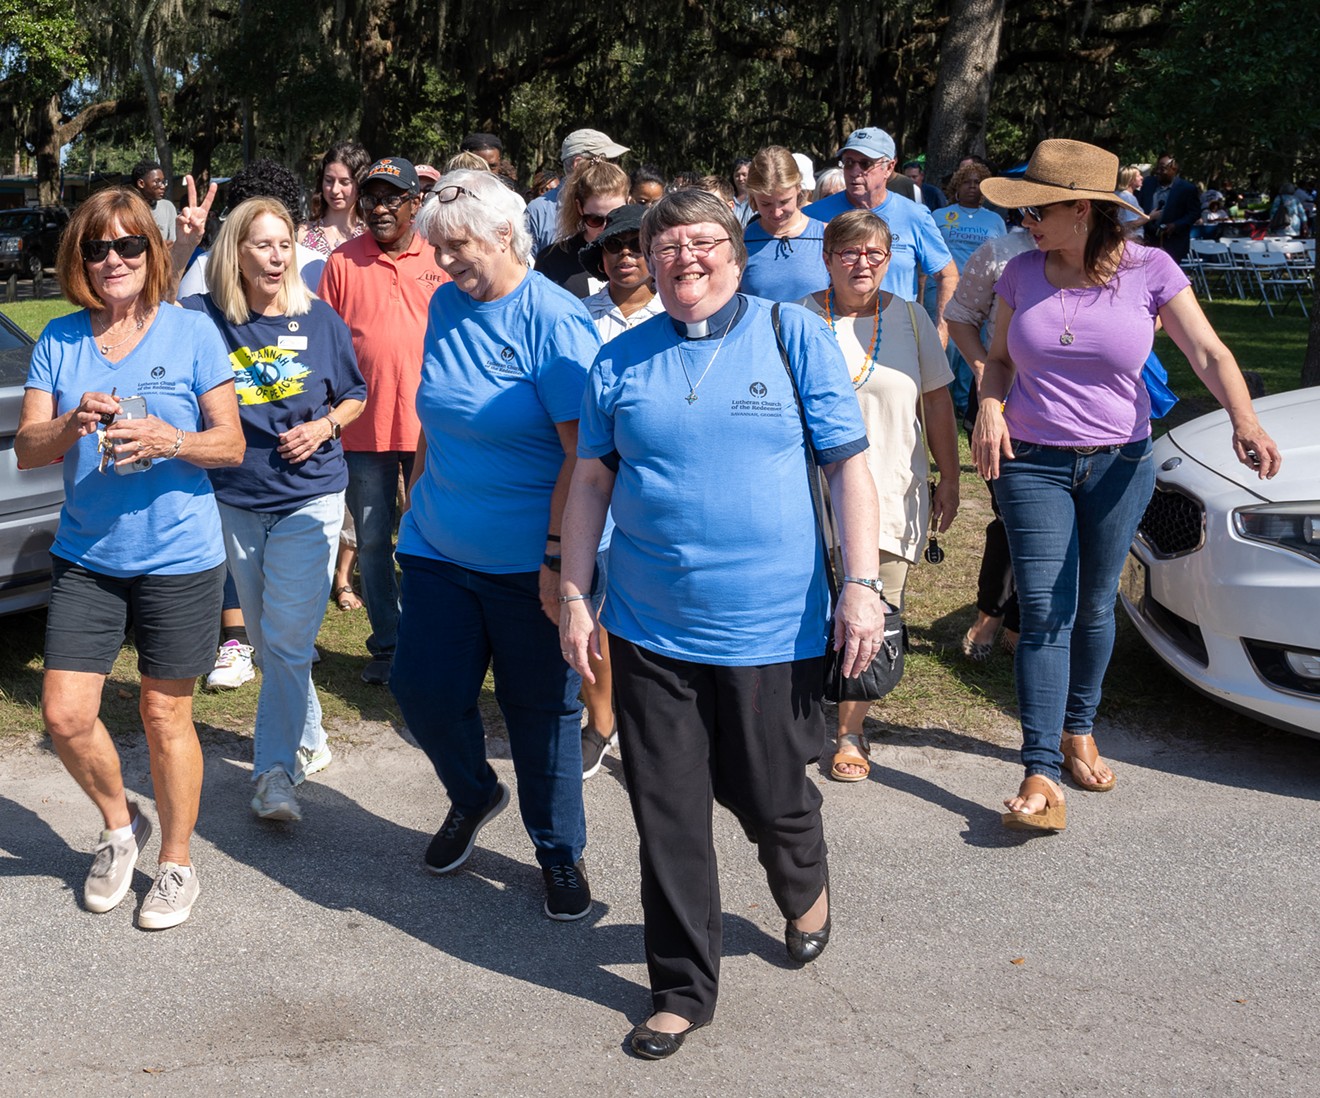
pixel 1292 420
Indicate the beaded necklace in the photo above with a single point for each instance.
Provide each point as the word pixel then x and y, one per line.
pixel 868 363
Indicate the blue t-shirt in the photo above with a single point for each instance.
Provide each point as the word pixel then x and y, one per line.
pixel 287 370
pixel 715 556
pixel 543 220
pixel 787 269
pixel 916 240
pixel 162 521
pixel 966 228
pixel 496 378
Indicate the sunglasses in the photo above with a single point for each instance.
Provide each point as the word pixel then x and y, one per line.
pixel 594 221
pixel 1037 213
pixel 617 245
pixel 127 247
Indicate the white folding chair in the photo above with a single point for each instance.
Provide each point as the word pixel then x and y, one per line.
pixel 1240 252
pixel 1214 258
pixel 1274 276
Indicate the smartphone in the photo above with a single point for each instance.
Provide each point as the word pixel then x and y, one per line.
pixel 132 407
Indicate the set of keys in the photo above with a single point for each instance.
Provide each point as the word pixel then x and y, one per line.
pixel 103 444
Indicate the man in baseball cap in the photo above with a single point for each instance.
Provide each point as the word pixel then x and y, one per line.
pixel 543 212
pixel 867 159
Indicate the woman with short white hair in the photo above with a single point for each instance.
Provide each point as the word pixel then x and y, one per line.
pixel 504 366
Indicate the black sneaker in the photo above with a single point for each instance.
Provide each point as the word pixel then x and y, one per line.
pixel 594 749
pixel 567 894
pixel 454 841
pixel 377 672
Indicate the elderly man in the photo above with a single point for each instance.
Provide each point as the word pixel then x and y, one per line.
pixel 868 160
pixel 543 212
pixel 381 284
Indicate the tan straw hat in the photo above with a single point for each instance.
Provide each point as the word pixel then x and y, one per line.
pixel 1060 171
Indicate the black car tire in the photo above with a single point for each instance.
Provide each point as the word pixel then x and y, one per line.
pixel 33 266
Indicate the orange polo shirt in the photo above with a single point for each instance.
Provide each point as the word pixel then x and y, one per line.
pixel 383 300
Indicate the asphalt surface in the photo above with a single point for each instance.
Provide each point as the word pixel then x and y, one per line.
pixel 1164 944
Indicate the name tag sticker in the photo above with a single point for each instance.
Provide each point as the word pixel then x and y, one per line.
pixel 293 343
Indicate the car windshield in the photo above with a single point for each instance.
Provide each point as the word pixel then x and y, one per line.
pixel 19 222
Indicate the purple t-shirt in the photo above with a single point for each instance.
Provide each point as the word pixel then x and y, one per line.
pixel 1090 392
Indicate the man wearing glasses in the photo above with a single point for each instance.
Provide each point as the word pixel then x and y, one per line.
pixel 868 161
pixel 381 284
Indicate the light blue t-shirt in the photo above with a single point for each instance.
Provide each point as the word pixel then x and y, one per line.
pixel 496 378
pixel 787 269
pixel 916 240
pixel 715 556
pixel 162 521
pixel 966 228
pixel 543 220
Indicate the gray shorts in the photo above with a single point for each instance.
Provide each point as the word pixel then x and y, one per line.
pixel 174 620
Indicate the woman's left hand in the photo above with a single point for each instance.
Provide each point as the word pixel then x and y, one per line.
pixel 299 443
pixel 1255 449
pixel 859 628
pixel 142 439
pixel 944 503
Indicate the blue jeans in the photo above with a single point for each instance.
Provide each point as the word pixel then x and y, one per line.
pixel 455 623
pixel 1070 518
pixel 282 563
pixel 373 491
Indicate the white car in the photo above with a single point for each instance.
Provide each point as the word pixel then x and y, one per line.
pixel 1223 579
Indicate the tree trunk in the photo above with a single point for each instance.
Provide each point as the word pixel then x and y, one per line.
pixel 961 101
pixel 49 135
pixel 1311 364
pixel 146 67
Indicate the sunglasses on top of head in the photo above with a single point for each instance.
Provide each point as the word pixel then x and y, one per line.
pixel 126 247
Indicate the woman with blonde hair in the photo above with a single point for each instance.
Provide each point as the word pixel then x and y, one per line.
pixel 784 245
pixel 281 510
pixel 593 190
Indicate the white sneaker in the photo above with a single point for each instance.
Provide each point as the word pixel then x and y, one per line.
pixel 274 799
pixel 310 762
pixel 233 666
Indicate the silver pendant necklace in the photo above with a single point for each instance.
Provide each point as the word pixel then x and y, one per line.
pixel 1066 336
pixel 691 397
pixel 106 348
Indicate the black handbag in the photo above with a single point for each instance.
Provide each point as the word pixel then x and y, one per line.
pixel 886 668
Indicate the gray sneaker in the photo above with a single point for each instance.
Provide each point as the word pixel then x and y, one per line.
pixel 308 762
pixel 274 799
pixel 170 900
pixel 112 865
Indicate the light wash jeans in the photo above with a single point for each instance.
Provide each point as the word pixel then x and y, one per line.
pixel 283 563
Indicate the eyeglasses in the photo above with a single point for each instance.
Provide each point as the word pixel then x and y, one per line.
pixel 872 257
pixel 368 202
pixel 861 163
pixel 127 247
pixel 700 248
pixel 617 245
pixel 450 194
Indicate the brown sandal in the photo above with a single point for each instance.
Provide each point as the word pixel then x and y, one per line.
pixel 859 744
pixel 346 598
pixel 1079 750
pixel 1053 817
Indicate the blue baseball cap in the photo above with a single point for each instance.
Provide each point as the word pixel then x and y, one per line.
pixel 872 142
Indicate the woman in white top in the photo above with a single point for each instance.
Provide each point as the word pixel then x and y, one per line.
pixel 901 375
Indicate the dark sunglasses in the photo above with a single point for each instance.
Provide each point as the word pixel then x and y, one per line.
pixel 616 245
pixel 127 247
pixel 1037 213
pixel 595 221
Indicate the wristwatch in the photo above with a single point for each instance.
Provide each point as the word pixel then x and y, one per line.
pixel 874 584
pixel 335 429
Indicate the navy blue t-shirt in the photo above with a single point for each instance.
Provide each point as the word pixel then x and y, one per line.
pixel 287 370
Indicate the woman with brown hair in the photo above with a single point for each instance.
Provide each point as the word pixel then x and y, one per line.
pixel 592 191
pixel 334 209
pixel 784 261
pixel 150 389
pixel 1063 427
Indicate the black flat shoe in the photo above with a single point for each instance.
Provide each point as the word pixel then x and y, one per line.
pixel 805 946
pixel 651 1044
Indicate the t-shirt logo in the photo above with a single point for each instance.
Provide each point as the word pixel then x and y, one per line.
pixel 506 365
pixel 757 389
pixel 950 216
pixel 158 372
pixel 267 375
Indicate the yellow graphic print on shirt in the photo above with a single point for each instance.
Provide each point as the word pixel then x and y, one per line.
pixel 267 375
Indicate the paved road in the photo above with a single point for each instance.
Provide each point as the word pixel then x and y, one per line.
pixel 1165 944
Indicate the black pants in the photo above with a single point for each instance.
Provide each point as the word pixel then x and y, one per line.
pixel 996 589
pixel 695 734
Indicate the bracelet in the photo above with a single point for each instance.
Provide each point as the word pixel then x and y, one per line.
pixel 573 598
pixel 552 537
pixel 553 563
pixel 178 443
pixel 874 584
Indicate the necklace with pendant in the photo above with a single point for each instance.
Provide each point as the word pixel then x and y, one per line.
pixel 106 348
pixel 868 363
pixel 691 397
pixel 1066 336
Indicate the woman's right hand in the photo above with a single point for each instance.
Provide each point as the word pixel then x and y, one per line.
pixel 579 636
pixel 86 418
pixel 990 441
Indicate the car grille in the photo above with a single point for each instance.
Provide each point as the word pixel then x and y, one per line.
pixel 1173 524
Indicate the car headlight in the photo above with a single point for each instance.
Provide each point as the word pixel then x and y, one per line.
pixel 1292 526
pixel 9 245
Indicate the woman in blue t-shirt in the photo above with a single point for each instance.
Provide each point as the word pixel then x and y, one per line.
pixel 138 545
pixel 504 364
pixel 298 386
pixel 784 260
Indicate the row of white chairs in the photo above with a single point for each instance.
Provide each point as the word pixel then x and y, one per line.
pixel 1272 268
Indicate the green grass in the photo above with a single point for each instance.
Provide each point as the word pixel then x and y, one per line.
pixel 32 316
